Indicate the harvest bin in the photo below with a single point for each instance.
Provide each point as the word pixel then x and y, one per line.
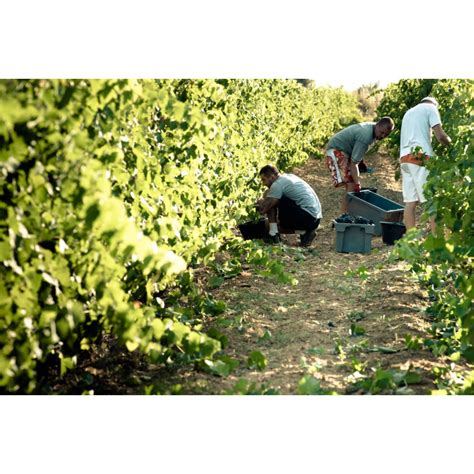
pixel 375 207
pixel 392 231
pixel 253 230
pixel 353 237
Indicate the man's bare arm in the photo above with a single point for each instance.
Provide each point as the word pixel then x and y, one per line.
pixel 267 203
pixel 355 172
pixel 441 135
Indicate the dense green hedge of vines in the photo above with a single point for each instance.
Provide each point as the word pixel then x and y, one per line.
pixel 113 191
pixel 444 262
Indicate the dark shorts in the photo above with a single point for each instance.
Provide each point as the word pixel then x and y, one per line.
pixel 292 217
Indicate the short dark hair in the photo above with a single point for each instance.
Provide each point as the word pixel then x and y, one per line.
pixel 386 122
pixel 268 170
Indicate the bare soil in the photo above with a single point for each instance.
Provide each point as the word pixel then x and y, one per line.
pixel 308 321
pixel 305 329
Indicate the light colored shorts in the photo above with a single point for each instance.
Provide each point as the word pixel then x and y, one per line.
pixel 413 179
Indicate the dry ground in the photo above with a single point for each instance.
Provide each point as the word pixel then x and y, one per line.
pixel 305 329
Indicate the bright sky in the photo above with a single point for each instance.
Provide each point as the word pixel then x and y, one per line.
pixel 352 84
pixel 215 39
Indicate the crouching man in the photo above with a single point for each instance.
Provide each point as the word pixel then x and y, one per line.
pixel 290 204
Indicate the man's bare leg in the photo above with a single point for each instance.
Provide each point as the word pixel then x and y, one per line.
pixel 409 218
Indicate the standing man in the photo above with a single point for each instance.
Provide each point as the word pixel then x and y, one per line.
pixel 346 149
pixel 290 204
pixel 415 149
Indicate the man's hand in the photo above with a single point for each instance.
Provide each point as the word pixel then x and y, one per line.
pixel 357 187
pixel 258 205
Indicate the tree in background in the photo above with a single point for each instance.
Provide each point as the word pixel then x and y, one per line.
pixel 369 97
pixel 306 82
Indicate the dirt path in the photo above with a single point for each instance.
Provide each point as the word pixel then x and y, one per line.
pixel 305 329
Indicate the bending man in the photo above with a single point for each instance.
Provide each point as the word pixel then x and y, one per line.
pixel 346 149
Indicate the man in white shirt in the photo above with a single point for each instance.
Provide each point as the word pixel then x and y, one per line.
pixel 290 204
pixel 418 123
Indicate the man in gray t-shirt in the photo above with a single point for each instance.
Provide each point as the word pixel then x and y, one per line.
pixel 290 204
pixel 346 149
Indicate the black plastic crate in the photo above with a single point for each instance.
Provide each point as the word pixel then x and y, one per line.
pixel 392 231
pixel 253 230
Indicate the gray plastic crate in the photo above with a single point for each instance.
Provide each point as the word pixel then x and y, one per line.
pixel 353 237
pixel 375 207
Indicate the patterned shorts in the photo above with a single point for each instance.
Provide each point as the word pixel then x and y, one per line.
pixel 338 164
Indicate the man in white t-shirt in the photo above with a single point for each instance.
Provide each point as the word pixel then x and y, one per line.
pixel 418 123
pixel 290 204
